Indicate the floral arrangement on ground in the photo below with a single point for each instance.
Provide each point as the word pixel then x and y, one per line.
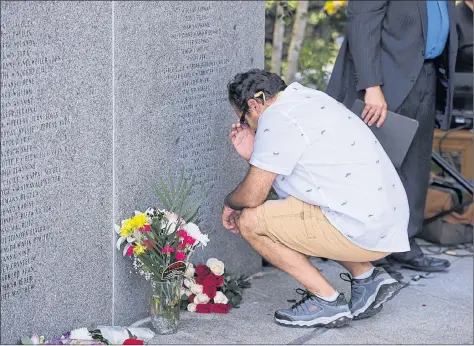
pixel 103 335
pixel 208 288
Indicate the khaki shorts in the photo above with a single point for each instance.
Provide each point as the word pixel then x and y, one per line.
pixel 304 228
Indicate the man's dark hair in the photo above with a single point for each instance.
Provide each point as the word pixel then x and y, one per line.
pixel 244 86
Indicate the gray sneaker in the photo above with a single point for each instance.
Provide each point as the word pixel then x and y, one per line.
pixel 369 295
pixel 312 311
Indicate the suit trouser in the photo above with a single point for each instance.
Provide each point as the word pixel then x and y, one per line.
pixel 415 169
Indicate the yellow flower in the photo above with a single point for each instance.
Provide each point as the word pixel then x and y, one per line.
pixel 127 227
pixel 331 7
pixel 139 220
pixel 139 249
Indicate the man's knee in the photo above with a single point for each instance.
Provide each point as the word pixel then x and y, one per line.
pixel 248 222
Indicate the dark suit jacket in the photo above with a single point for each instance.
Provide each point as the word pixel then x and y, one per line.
pixel 385 45
pixel 464 27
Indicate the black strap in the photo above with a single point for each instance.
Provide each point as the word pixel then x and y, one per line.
pixel 457 208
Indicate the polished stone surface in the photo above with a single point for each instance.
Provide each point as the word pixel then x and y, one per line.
pixel 171 111
pixel 99 101
pixel 56 162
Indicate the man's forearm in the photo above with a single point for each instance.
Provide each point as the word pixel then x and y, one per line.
pixel 251 192
pixel 239 200
pixel 233 202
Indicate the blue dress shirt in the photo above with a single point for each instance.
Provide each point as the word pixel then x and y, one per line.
pixel 438 28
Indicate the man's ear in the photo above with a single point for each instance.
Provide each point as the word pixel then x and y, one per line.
pixel 253 104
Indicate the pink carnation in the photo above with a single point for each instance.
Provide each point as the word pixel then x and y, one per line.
pixel 145 228
pixel 180 256
pixel 181 245
pixel 189 240
pixel 130 250
pixel 167 249
pixel 182 233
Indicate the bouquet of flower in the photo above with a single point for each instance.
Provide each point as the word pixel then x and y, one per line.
pixel 208 288
pixel 161 241
pixel 103 335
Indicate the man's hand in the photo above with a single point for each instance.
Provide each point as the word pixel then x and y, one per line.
pixel 229 219
pixel 375 106
pixel 242 138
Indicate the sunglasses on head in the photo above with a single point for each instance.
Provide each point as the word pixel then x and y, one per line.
pixel 242 117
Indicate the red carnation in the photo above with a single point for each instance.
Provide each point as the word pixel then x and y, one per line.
pixel 210 291
pixel 213 280
pixel 221 308
pixel 191 298
pixel 133 342
pixel 202 270
pixel 204 308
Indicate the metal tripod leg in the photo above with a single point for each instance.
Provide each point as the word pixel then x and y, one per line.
pixel 465 184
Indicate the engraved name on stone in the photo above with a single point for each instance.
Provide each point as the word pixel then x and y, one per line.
pixel 24 127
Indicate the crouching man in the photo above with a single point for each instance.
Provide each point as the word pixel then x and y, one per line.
pixel 340 196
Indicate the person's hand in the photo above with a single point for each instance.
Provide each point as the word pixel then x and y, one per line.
pixel 375 106
pixel 229 219
pixel 242 138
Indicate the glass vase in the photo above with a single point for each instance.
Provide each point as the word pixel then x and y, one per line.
pixel 165 306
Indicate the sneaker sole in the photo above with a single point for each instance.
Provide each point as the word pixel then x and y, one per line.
pixel 386 292
pixel 336 321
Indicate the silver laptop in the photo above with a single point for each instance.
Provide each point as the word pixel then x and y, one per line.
pixel 395 135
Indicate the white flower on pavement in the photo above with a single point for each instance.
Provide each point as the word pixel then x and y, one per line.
pixel 196 289
pixel 201 298
pixel 188 283
pixel 192 307
pixel 216 266
pixel 81 334
pixel 220 298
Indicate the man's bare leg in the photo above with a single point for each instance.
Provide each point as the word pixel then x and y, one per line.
pixel 292 262
pixel 356 268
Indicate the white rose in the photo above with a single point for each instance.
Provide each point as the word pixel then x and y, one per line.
pixel 201 298
pixel 216 266
pixel 196 289
pixel 188 283
pixel 220 298
pixel 192 307
pixel 188 292
pixel 189 273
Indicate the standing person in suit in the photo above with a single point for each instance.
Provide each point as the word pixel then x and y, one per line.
pixel 464 27
pixel 400 56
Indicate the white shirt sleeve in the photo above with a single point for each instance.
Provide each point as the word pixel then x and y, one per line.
pixel 279 144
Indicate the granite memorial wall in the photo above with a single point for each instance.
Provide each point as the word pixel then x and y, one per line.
pixel 98 101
